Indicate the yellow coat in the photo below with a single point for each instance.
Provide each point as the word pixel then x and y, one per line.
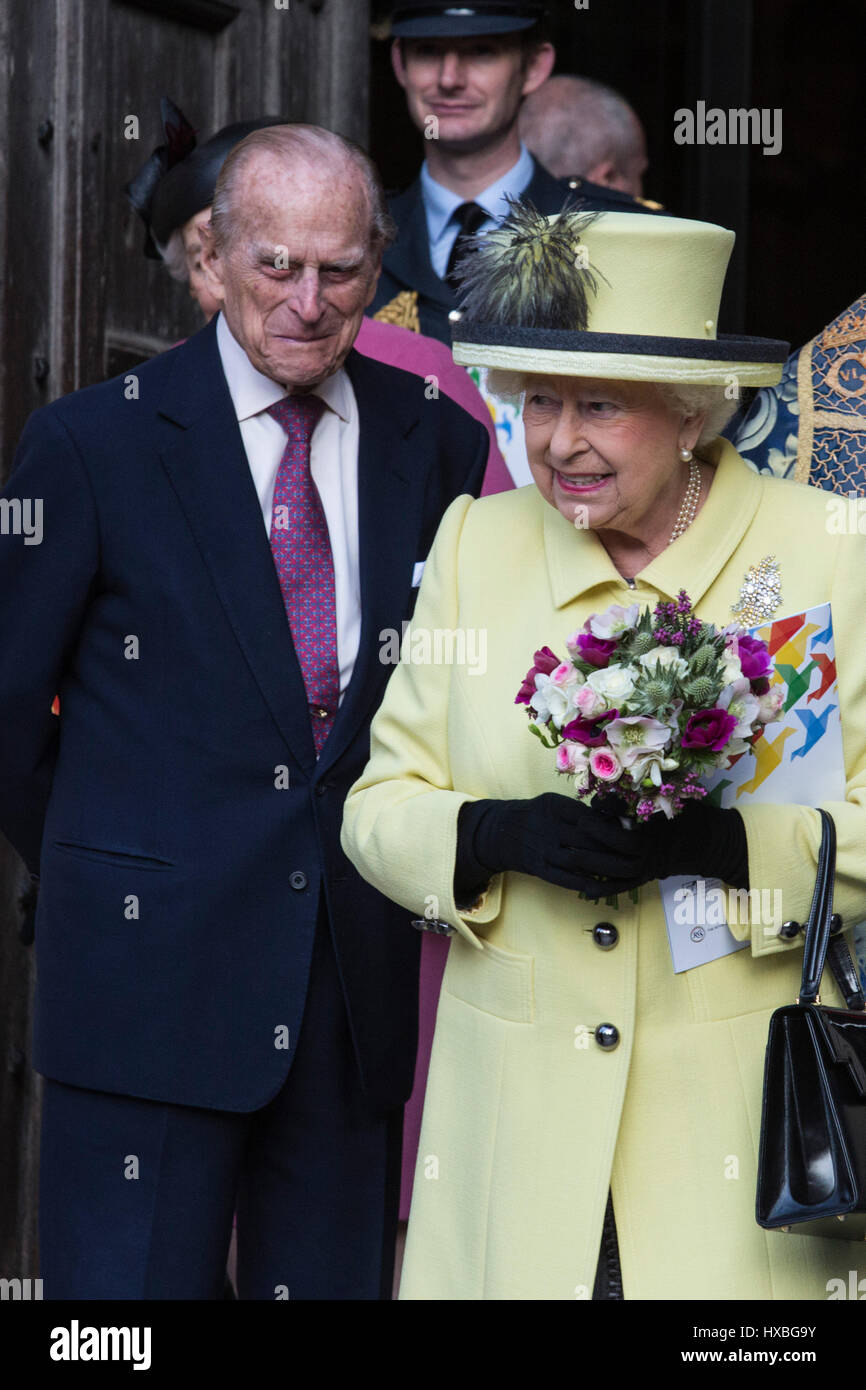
pixel 527 1121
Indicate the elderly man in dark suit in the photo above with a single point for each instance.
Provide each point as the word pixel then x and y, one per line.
pixel 465 70
pixel 225 1011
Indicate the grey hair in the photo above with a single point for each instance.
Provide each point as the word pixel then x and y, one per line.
pixel 173 254
pixel 715 401
pixel 306 142
pixel 573 124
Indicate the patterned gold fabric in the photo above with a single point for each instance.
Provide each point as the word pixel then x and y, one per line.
pixel 831 387
pixel 812 426
pixel 402 310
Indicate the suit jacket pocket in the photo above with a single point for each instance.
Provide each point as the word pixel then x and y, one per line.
pixel 494 980
pixel 121 859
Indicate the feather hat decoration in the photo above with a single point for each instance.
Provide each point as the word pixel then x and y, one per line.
pixel 531 271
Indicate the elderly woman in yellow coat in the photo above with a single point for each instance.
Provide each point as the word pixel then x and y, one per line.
pixel 592 1117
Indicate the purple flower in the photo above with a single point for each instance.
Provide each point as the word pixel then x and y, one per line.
pixel 754 658
pixel 597 651
pixel 710 729
pixel 545 662
pixel 589 731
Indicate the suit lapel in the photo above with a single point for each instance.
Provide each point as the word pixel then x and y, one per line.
pixel 408 260
pixel 390 494
pixel 208 469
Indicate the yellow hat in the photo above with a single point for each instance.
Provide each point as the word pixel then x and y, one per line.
pixel 625 296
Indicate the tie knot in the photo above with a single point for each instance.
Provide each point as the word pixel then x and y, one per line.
pixel 469 217
pixel 298 415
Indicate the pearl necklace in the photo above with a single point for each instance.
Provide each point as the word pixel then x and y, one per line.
pixel 689 506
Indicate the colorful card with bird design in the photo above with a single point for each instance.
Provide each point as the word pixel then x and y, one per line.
pixel 798 758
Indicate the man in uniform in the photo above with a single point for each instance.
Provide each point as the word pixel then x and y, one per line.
pixel 465 70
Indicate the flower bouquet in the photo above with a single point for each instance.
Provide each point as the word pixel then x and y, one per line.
pixel 650 704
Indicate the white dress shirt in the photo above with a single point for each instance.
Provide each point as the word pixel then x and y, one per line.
pixel 440 205
pixel 333 464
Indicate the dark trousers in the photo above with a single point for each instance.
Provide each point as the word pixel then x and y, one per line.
pixel 137 1197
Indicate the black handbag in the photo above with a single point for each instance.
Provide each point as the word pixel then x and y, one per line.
pixel 812 1158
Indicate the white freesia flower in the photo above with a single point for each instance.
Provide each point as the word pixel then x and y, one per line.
pixel 615 683
pixel 555 699
pixel 738 700
pixel 652 766
pixel 730 751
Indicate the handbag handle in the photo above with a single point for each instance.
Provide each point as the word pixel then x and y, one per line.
pixel 819 922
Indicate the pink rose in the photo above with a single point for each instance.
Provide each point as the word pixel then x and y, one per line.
pixel 604 764
pixel 571 757
pixel 588 702
pixel 770 705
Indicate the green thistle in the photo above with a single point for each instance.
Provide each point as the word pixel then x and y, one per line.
pixel 641 643
pixel 704 659
pixel 700 691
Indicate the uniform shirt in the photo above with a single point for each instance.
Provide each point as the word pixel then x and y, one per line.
pixel 333 464
pixel 440 204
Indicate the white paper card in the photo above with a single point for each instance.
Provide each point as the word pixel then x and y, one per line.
pixel 798 759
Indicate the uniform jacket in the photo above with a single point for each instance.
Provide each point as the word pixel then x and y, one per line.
pixel 186 827
pixel 406 265
pixel 527 1120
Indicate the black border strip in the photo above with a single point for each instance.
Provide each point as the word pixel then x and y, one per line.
pixel 727 347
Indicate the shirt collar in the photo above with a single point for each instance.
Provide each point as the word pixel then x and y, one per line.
pixel 440 203
pixel 252 392
pixel 578 562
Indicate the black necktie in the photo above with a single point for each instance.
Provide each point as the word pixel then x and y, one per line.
pixel 469 217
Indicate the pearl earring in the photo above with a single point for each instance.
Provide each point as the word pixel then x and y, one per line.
pixel 686 455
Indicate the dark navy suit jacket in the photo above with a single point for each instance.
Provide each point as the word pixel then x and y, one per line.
pixel 407 266
pixel 180 880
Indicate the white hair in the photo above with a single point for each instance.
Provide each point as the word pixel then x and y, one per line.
pixel 173 254
pixel 301 144
pixel 713 401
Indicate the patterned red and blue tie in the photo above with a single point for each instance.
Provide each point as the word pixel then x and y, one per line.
pixel 301 548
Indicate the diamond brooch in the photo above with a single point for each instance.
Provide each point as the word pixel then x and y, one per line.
pixel 760 594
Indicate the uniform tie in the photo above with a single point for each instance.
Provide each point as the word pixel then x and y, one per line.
pixel 302 554
pixel 469 217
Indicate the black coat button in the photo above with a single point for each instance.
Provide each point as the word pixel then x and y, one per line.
pixel 298 880
pixel 322 787
pixel 607 1036
pixel 605 935
pixel 788 930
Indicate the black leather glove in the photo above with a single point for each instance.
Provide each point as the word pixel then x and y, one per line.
pixel 560 840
